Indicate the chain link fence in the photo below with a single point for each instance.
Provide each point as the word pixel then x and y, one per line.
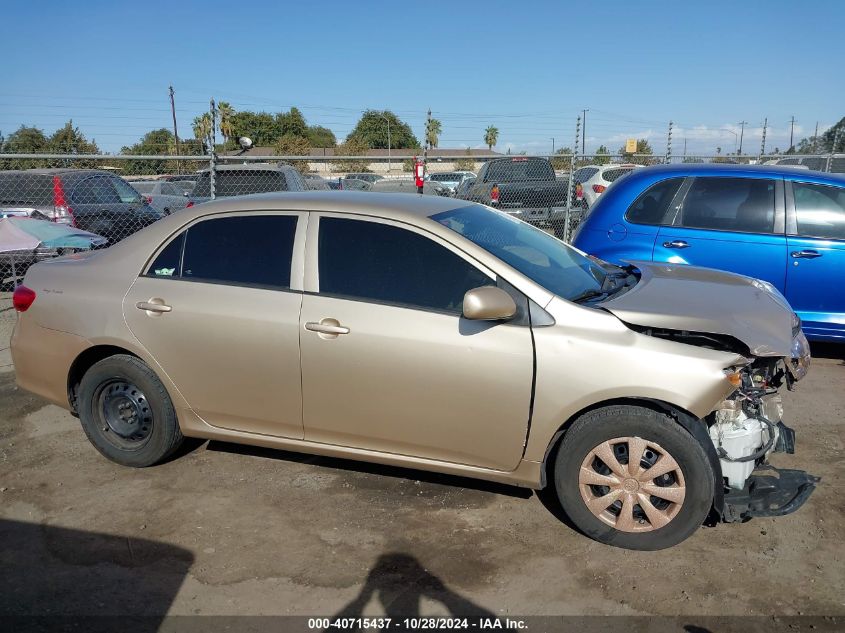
pixel 53 205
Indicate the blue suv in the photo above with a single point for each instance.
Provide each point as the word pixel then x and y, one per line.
pixel 780 224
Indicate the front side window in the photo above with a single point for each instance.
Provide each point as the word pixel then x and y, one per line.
pixel 745 205
pixel 249 250
pixel 820 210
pixel 377 262
pixel 653 203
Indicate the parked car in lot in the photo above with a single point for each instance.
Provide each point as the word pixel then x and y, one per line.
pixel 89 199
pixel 185 183
pixel 833 163
pixel 423 331
pixel 365 176
pixel 451 179
pixel 316 183
pixel 407 185
pixel 592 180
pixel 779 224
pixel 522 186
pixel 239 180
pixel 462 189
pixel 161 195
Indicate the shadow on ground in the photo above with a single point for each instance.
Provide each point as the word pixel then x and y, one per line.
pixel 54 578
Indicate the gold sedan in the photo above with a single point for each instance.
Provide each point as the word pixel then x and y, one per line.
pixel 421 332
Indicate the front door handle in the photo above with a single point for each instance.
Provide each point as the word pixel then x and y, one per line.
pixel 327 326
pixel 805 254
pixel 153 307
pixel 676 244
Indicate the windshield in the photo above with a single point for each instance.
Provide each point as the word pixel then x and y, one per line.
pixel 536 254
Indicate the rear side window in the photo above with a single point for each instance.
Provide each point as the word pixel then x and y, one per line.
pixel 611 175
pixel 820 210
pixel 169 260
pixel 252 250
pixel 730 204
pixel 385 264
pixel 584 174
pixel 653 203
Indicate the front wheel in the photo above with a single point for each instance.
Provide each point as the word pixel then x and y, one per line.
pixel 126 412
pixel 634 478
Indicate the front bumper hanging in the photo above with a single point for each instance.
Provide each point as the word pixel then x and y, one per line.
pixel 766 495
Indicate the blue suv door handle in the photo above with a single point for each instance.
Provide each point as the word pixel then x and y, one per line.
pixel 676 244
pixel 805 254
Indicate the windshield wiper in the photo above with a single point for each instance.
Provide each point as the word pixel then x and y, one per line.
pixel 591 293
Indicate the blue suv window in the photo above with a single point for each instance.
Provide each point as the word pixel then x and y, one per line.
pixel 745 205
pixel 651 206
pixel 820 210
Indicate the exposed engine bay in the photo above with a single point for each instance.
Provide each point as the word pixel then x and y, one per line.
pixel 748 426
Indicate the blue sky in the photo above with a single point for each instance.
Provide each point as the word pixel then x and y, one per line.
pixel 527 67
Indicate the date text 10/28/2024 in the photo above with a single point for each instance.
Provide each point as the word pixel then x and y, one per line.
pixel 420 623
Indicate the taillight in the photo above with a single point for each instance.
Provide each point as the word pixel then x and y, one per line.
pixel 579 191
pixel 599 188
pixel 61 209
pixel 22 298
pixel 148 199
pixel 190 204
pixel 494 195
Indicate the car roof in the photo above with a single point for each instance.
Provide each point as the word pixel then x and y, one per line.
pixel 721 169
pixel 248 167
pixel 409 206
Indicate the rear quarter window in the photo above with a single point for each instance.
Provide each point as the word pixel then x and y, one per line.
pixel 652 205
pixel 612 175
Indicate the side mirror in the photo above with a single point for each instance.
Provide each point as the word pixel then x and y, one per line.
pixel 488 303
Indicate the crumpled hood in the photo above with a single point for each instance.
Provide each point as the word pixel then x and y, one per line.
pixel 682 297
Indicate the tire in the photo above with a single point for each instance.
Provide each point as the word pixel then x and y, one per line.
pixel 126 412
pixel 654 522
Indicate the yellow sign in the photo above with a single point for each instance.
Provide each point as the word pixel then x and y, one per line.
pixel 631 146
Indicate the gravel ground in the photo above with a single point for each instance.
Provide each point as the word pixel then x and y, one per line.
pixel 234 530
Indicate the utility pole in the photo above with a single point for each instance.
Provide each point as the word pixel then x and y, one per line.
pixel 685 148
pixel 213 155
pixel 816 139
pixel 763 143
pixel 584 131
pixel 553 145
pixel 669 144
pixel 742 125
pixel 425 150
pixel 791 130
pixel 175 131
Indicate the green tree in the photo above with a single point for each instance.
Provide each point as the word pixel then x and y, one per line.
pixel 153 143
pixel 602 156
pixel 319 136
pixel 371 130
pixel 433 130
pixel 292 122
pixel 562 163
pixel 25 140
pixel 202 127
pixel 261 127
pixel 353 146
pixel 491 136
pixel 225 112
pixel 823 143
pixel 641 156
pixel 293 145
pixel 69 140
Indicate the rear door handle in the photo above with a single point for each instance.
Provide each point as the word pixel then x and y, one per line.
pixel 154 305
pixel 326 328
pixel 676 244
pixel 805 254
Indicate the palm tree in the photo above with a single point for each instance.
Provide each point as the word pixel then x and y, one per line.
pixel 226 113
pixel 491 136
pixel 433 128
pixel 202 129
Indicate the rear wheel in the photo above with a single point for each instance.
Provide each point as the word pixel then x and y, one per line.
pixel 632 477
pixel 126 412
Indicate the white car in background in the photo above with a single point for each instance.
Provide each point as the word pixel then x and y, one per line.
pixel 592 180
pixel 450 179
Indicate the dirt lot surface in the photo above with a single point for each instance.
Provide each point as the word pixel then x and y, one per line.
pixel 234 530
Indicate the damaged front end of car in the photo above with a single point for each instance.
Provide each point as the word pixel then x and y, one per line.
pixel 748 426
